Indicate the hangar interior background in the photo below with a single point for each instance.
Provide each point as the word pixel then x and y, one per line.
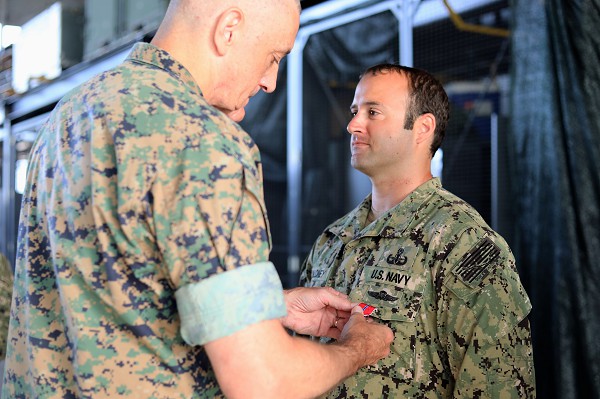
pixel 522 145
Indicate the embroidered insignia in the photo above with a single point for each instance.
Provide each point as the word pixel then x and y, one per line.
pixel 399 259
pixel 382 295
pixel 473 266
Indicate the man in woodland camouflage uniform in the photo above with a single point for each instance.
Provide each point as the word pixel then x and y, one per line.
pixel 142 269
pixel 439 276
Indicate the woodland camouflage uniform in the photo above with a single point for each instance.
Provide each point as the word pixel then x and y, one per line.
pixel 142 203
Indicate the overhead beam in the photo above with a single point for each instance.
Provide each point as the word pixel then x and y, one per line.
pixel 17 12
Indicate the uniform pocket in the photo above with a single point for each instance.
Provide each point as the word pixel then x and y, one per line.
pixel 397 292
pixel 397 306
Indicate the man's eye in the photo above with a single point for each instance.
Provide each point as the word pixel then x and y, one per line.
pixel 372 112
pixel 353 113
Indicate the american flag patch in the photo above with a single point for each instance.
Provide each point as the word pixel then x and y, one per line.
pixel 473 266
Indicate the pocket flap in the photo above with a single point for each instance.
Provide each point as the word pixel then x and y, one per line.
pixel 392 302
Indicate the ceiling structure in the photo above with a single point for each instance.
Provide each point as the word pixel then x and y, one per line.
pixel 473 43
pixel 17 12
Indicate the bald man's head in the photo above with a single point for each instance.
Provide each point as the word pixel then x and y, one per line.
pixel 231 47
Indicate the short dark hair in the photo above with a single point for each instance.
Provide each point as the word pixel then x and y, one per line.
pixel 426 95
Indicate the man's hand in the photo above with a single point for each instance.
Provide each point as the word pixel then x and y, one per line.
pixel 321 312
pixel 364 336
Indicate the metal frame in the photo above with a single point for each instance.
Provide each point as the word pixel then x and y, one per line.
pixel 7 218
pixel 51 93
pixel 494 171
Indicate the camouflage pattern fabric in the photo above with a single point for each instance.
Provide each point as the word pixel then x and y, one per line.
pixel 137 189
pixel 446 284
pixel 6 282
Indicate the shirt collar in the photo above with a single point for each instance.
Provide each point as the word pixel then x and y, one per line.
pixel 149 54
pixel 389 225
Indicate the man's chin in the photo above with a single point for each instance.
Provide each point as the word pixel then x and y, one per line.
pixel 237 115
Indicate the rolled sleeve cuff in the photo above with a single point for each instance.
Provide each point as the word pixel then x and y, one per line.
pixel 228 302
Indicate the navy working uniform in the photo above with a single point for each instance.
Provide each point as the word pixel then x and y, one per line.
pixel 446 284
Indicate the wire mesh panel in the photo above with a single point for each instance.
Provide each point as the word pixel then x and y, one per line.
pixel 472 62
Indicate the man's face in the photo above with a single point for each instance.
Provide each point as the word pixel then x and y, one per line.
pixel 258 60
pixel 380 145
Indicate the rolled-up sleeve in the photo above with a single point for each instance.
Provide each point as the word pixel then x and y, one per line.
pixel 228 302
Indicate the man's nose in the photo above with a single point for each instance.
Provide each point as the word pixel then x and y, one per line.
pixel 355 124
pixel 269 82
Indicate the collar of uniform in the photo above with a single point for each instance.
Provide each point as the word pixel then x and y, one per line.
pixel 150 54
pixel 392 223
pixel 350 226
pixel 399 218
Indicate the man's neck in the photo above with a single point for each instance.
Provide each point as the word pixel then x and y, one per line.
pixel 387 193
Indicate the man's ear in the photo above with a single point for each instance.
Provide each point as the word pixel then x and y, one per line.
pixel 425 128
pixel 227 29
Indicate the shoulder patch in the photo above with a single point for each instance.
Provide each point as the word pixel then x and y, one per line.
pixel 473 266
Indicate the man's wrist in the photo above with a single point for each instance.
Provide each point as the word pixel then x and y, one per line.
pixel 351 355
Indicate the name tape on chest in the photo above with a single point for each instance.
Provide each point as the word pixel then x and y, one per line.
pixel 388 276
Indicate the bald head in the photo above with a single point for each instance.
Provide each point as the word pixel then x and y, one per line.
pixel 199 15
pixel 207 5
pixel 232 48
